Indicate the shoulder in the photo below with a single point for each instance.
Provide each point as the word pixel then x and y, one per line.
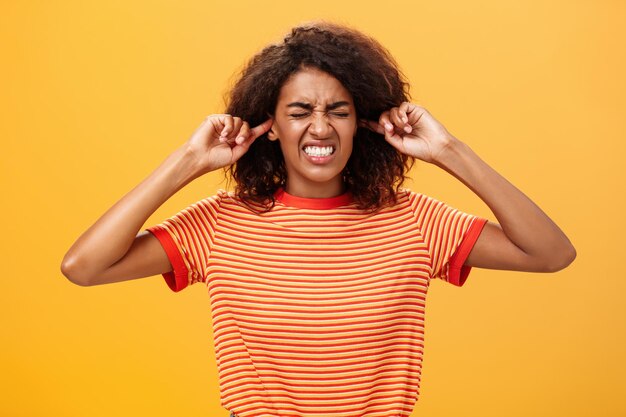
pixel 408 193
pixel 420 204
pixel 212 203
pixel 405 195
pixel 229 200
pixel 415 196
pixel 222 199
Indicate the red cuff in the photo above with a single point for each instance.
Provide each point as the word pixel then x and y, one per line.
pixel 179 277
pixel 457 272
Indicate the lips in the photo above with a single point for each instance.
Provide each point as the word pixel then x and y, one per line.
pixel 319 150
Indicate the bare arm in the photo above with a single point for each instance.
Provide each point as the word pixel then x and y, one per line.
pixel 111 250
pixel 97 251
pixel 526 238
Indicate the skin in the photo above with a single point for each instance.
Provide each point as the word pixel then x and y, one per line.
pixel 314 108
pixel 114 249
pixel 525 238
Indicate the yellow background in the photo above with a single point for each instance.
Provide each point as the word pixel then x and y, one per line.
pixel 96 94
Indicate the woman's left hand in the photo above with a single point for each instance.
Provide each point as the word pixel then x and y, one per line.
pixel 413 131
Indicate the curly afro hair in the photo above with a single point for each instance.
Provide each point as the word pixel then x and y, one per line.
pixel 375 170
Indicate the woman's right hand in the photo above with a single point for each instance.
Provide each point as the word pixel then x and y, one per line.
pixel 221 140
pixel 112 250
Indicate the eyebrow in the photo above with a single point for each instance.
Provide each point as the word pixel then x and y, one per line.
pixel 308 106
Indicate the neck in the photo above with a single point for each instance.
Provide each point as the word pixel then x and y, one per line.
pixel 321 190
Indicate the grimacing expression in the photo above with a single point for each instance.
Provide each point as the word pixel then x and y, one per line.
pixel 315 123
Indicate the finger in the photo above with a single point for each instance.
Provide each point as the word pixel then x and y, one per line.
pixel 227 120
pixel 397 120
pixel 413 113
pixel 261 129
pixel 240 150
pixel 372 125
pixel 243 133
pixel 214 123
pixel 242 146
pixel 385 122
pixel 237 122
pixel 403 109
pixel 394 139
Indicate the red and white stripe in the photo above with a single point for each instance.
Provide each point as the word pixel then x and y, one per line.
pixel 317 306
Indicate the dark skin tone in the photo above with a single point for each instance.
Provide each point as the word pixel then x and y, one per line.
pixel 315 115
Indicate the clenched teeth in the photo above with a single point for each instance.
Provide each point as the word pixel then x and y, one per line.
pixel 319 150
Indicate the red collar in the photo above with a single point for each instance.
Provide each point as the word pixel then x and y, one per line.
pixel 313 203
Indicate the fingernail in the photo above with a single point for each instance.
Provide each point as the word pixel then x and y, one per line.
pixel 388 126
pixel 239 140
pixel 408 129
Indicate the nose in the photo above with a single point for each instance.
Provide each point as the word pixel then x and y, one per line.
pixel 319 126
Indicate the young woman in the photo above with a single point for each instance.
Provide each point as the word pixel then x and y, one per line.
pixel 318 263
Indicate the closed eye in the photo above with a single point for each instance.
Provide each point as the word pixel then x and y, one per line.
pixel 301 115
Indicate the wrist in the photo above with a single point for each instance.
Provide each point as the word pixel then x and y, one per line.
pixel 181 167
pixel 451 153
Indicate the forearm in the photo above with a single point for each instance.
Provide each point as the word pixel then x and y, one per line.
pixel 111 236
pixel 523 222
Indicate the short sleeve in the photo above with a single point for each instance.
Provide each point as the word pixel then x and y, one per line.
pixel 187 239
pixel 449 235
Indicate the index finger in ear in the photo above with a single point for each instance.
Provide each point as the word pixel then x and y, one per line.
pixel 262 128
pixel 371 125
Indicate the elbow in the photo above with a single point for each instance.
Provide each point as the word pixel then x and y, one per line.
pixel 71 269
pixel 563 260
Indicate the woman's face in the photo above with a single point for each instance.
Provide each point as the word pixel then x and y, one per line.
pixel 315 122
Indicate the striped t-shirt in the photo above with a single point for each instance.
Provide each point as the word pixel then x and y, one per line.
pixel 317 306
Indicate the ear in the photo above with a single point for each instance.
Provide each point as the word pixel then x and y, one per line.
pixel 271 135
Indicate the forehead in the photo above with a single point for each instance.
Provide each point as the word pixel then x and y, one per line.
pixel 311 85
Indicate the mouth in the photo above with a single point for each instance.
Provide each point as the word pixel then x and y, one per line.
pixel 319 151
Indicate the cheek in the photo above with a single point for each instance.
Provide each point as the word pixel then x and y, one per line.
pixel 348 130
pixel 293 129
pixel 350 146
